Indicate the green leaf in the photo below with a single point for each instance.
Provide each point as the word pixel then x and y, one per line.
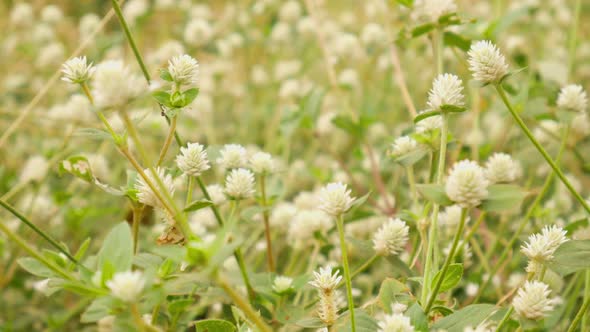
pixel 214 325
pixel 453 39
pixel 190 95
pixel 98 309
pixel 417 318
pixel 471 315
pixel 571 257
pixel 162 97
pixel 434 193
pixel 165 75
pixel 425 114
pixel 413 157
pixel 502 197
pixel 79 167
pixel 349 126
pixel 117 248
pixel 452 108
pixel 359 201
pixel 405 3
pixel 310 323
pixel 363 322
pixel 452 277
pixel 197 205
pixel 387 293
pixel 35 267
pixel 93 133
pixel 422 29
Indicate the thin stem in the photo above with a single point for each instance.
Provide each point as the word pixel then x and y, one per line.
pixel 86 90
pixel 448 261
pixel 241 303
pixel 265 216
pixel 31 251
pixel 573 38
pixel 412 182
pixel 344 253
pixel 541 150
pixel 432 233
pixel 238 253
pixel 579 316
pixel 137 214
pixel 137 318
pixel 168 140
pixel 189 190
pixel 37 230
pixel 505 318
pixel 586 299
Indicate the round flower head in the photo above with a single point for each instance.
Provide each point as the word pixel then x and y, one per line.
pixel 395 322
pixel 572 98
pixel 467 185
pixel 335 199
pixel 542 246
pixel 433 9
pixel 145 194
pixel 486 62
pixel 391 238
pixel 127 286
pixel 446 90
pixel 261 162
pixel 77 70
pixel 183 69
pixel 217 194
pixel 114 84
pixel 429 124
pixel 402 146
pixel 239 184
pixel 282 284
pixel 532 300
pixel 324 280
pixel 233 156
pixel 501 168
pixel 192 159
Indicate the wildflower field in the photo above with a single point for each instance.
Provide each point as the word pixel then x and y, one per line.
pixel 294 165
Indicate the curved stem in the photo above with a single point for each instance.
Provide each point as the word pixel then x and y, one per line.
pixel 505 318
pixel 586 299
pixel 448 261
pixel 241 303
pixel 168 141
pixel 541 150
pixel 344 253
pixel 579 315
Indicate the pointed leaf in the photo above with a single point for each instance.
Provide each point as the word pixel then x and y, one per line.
pixel 117 248
pixel 452 277
pixel 434 193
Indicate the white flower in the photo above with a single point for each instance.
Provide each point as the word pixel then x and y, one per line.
pixel 198 32
pixel 501 168
pixel 262 162
pixel 434 9
pixel 572 98
pixel 127 286
pixel 446 90
pixel 290 11
pixel 486 62
pixel 192 159
pixel 348 78
pixel 467 185
pixel 373 34
pixel 216 193
pixel 402 146
pixel 34 169
pixel 114 84
pixel 324 280
pixel 395 323
pixel 183 69
pixel 282 284
pixel 233 156
pixel 450 218
pixel 239 184
pixel 391 238
pixel 542 246
pixel 77 70
pixel 428 124
pixel 145 194
pixel 532 300
pixel 282 214
pixel 335 199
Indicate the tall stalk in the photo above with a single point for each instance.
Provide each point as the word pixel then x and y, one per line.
pixel 344 253
pixel 266 217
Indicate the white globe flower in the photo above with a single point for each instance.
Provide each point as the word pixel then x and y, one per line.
pixel 192 159
pixel 532 300
pixel 183 69
pixel 447 89
pixel 486 62
pixel 145 194
pixel 402 146
pixel 433 9
pixel 216 192
pixel 127 286
pixel 115 85
pixel 335 199
pixel 542 246
pixel 573 98
pixel 324 280
pixel 233 156
pixel 395 322
pixel 466 184
pixel 429 124
pixel 501 168
pixel 282 284
pixel 77 70
pixel 239 184
pixel 391 238
pixel 262 163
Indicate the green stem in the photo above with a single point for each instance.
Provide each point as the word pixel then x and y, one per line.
pixel 139 323
pixel 241 303
pixel 433 228
pixel 266 217
pixel 168 141
pixel 447 263
pixel 37 230
pixel 573 38
pixel 541 150
pixel 31 251
pixel 361 268
pixel 579 315
pixel 586 299
pixel 412 183
pixel 505 318
pixel 344 253
pixel 137 214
